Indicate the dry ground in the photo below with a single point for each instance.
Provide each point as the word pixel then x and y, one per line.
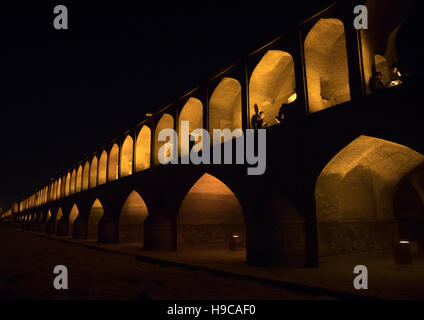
pixel 27 262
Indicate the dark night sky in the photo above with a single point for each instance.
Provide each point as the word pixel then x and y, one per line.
pixel 66 93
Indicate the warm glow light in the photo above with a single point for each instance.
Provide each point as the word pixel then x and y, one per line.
pixel 404 242
pixel 292 97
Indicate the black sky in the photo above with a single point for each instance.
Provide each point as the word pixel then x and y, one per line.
pixel 65 93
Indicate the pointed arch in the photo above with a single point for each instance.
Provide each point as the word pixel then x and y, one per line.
pixel 49 215
pixel 272 83
pixel 327 72
pixel 165 122
pixel 93 173
pixel 113 163
pixel 73 215
pixel 94 217
pixel 59 214
pixel 225 105
pixel 126 165
pixel 142 149
pixel 354 195
pixel 192 112
pixel 85 175
pixel 209 215
pixel 131 220
pixel 73 178
pixel 78 182
pixel 103 168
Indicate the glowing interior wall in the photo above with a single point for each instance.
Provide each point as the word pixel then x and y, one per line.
pixel 72 217
pixel 94 217
pixel 326 63
pixel 193 113
pixel 113 163
pixel 93 173
pixel 271 84
pixel 225 106
pixel 354 195
pixel 142 151
pixel 73 177
pixel 127 157
pixel 85 175
pixel 131 219
pixel 384 21
pixel 209 215
pixel 78 180
pixel 165 122
pixel 103 168
pixel 59 214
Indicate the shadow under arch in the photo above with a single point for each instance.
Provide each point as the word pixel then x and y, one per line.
pixel 94 216
pixel 272 83
pixel 131 219
pixel 209 216
pixel 354 195
pixel 327 73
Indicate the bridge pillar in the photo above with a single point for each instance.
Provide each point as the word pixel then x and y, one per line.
pixel 160 230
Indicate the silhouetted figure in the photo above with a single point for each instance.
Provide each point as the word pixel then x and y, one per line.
pixel 258 121
pixel 282 113
pixel 376 82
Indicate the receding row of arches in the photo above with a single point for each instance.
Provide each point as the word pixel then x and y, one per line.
pixel 209 216
pixel 369 195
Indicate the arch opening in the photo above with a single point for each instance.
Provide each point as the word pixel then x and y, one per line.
pixel 271 84
pixel 94 217
pixel 126 166
pixel 209 216
pixel 131 220
pixel 165 122
pixel 192 112
pixel 73 176
pixel 326 64
pixel 85 175
pixel 72 217
pixel 93 173
pixel 378 42
pixel 78 183
pixel 142 149
pixel 355 194
pixel 103 168
pixel 113 163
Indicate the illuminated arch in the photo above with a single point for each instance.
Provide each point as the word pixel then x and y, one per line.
pixel 59 214
pixel 272 83
pixel 326 65
pixel 96 213
pixel 165 122
pixel 192 112
pixel 78 182
pixel 93 173
pixel 384 22
pixel 142 149
pixel 49 215
pixel 85 175
pixel 68 184
pixel 72 217
pixel 356 189
pixel 225 106
pixel 131 220
pixel 73 178
pixel 126 165
pixel 113 163
pixel 103 168
pixel 209 214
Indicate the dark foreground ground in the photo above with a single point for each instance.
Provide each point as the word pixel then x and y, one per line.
pixel 27 263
